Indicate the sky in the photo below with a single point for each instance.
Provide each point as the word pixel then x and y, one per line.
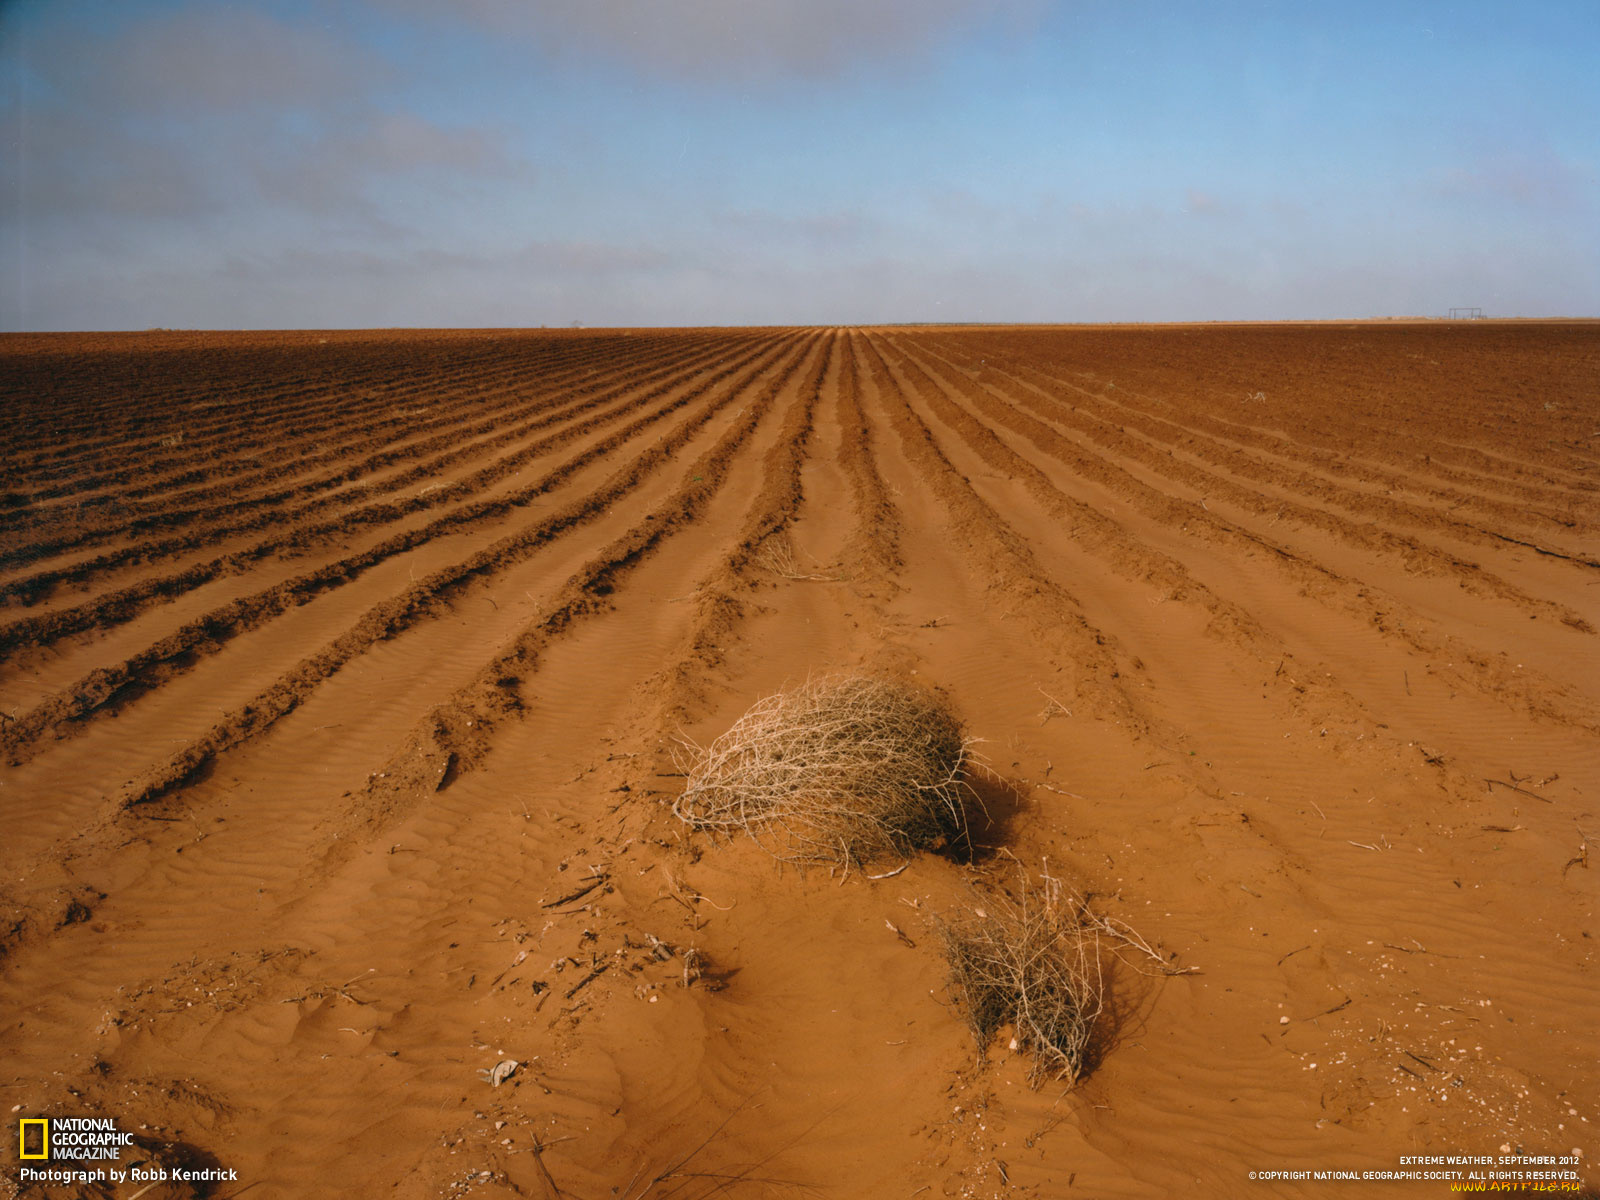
pixel 369 163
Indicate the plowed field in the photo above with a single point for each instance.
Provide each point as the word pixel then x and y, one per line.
pixel 344 678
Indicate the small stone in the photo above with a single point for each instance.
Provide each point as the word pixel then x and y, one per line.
pixel 1283 1020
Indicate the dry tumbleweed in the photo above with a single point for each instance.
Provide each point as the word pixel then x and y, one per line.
pixel 1032 963
pixel 838 770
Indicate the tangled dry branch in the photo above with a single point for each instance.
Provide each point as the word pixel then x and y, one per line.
pixel 843 770
pixel 777 556
pixel 1032 963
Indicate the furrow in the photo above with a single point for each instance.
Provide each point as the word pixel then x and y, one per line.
pixel 1327 390
pixel 1309 473
pixel 293 462
pixel 1303 696
pixel 296 452
pixel 1063 401
pixel 579 596
pixel 329 411
pixel 210 633
pixel 875 547
pixel 122 605
pixel 1055 614
pixel 1476 668
pixel 459 447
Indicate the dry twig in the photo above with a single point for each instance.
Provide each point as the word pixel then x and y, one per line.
pixel 1052 708
pixel 1121 931
pixel 777 556
pixel 1493 783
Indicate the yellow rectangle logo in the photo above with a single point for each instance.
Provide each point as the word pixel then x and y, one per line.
pixel 33 1137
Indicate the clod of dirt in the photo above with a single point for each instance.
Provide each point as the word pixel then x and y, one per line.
pixel 500 1072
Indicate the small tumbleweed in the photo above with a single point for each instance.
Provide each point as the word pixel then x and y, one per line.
pixel 842 770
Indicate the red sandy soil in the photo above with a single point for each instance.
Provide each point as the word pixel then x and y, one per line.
pixel 342 676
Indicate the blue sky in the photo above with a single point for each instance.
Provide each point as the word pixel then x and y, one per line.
pixel 665 162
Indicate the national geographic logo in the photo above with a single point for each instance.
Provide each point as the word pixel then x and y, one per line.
pixel 83 1151
pixel 70 1139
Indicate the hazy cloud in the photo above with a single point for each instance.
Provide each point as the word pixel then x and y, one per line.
pixel 813 230
pixel 597 282
pixel 204 60
pixel 582 256
pixel 351 168
pixel 218 112
pixel 64 165
pixel 404 141
pixel 742 39
pixel 1535 179
pixel 541 282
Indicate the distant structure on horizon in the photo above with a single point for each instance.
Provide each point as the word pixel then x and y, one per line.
pixel 1466 314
